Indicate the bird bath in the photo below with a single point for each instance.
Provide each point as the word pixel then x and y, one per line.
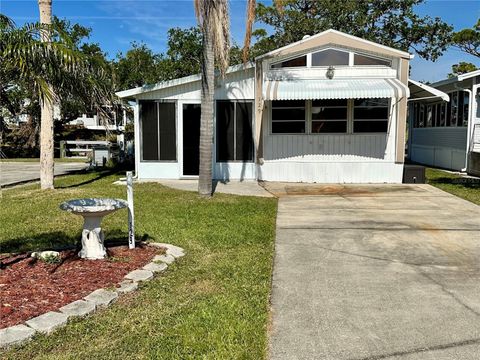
pixel 93 210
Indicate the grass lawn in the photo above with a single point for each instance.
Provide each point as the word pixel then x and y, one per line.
pixel 455 184
pixel 212 304
pixel 59 160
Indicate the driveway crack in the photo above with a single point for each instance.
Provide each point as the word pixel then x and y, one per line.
pixel 421 350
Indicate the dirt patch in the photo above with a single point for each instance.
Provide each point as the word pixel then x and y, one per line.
pixel 335 189
pixel 31 287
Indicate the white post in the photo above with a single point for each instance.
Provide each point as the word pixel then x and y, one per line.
pixel 131 227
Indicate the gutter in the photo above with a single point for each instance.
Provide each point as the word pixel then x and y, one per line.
pixel 469 121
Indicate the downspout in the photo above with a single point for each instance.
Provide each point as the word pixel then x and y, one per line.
pixel 469 121
pixel 136 136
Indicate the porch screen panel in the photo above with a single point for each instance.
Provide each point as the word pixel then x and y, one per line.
pixel 244 132
pixel 225 131
pixel 168 135
pixel 149 119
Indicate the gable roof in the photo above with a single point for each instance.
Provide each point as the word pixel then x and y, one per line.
pixel 174 82
pixel 335 37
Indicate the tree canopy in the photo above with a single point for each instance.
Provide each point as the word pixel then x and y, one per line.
pixel 468 40
pixel 461 68
pixel 392 23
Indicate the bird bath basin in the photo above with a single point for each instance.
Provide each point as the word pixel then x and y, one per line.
pixel 93 210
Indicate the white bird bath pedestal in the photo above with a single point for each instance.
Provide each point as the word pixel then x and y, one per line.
pixel 93 210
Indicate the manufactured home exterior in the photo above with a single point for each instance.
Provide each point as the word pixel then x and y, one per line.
pixel 446 134
pixel 330 108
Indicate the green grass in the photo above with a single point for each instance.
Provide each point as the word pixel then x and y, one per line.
pixel 212 304
pixel 468 189
pixel 60 160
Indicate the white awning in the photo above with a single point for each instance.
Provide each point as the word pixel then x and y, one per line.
pixel 419 91
pixel 310 89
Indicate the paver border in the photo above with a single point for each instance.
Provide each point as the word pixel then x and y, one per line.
pixel 9 337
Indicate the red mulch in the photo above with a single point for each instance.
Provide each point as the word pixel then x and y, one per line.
pixel 30 287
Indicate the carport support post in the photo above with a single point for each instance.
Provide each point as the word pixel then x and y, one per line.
pixel 131 227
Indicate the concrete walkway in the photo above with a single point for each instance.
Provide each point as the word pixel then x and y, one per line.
pixel 245 188
pixel 12 173
pixel 375 272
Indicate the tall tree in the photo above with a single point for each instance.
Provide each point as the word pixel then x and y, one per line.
pixel 34 71
pixel 214 22
pixel 468 40
pixel 392 23
pixel 46 104
pixel 461 68
pixel 137 67
pixel 213 19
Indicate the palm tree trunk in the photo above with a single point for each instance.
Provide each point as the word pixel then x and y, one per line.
pixel 46 104
pixel 206 121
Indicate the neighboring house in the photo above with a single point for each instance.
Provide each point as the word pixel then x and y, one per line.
pixel 330 108
pixel 92 122
pixel 23 118
pixel 447 134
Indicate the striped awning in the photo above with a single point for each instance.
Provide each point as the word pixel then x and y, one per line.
pixel 310 89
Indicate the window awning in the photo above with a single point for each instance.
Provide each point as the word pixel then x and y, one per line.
pixel 419 91
pixel 310 89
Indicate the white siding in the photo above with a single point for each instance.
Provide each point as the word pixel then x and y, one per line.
pixel 236 85
pixel 158 170
pixel 331 172
pixel 330 158
pixel 328 148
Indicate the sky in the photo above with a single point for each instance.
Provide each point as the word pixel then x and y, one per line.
pixel 116 23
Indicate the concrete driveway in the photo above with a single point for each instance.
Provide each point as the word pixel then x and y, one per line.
pixel 12 173
pixel 375 272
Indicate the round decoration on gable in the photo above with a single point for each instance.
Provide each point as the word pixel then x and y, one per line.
pixel 330 72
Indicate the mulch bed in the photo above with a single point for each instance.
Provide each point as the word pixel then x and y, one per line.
pixel 31 287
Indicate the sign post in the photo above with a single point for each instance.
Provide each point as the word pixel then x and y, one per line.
pixel 131 226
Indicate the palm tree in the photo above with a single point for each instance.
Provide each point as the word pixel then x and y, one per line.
pixel 46 105
pixel 52 69
pixel 214 21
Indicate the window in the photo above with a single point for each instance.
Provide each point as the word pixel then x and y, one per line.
pixel 288 117
pixel 442 107
pixel 234 131
pixel 466 101
pixel 454 108
pixel 429 116
pixel 158 130
pixel 421 118
pixel 330 57
pixel 329 116
pixel 370 115
pixel 368 60
pixel 296 62
pixel 416 114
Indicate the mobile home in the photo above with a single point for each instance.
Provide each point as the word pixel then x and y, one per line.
pixel 330 108
pixel 445 133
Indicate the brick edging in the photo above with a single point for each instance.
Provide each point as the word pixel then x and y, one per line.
pixel 98 299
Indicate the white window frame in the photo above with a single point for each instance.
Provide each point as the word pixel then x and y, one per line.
pixel 351 59
pixel 308 120
pixel 307 130
pixel 388 106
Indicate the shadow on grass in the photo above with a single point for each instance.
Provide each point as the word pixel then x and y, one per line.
pixel 59 241
pixel 100 174
pixel 469 183
pixel 56 240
